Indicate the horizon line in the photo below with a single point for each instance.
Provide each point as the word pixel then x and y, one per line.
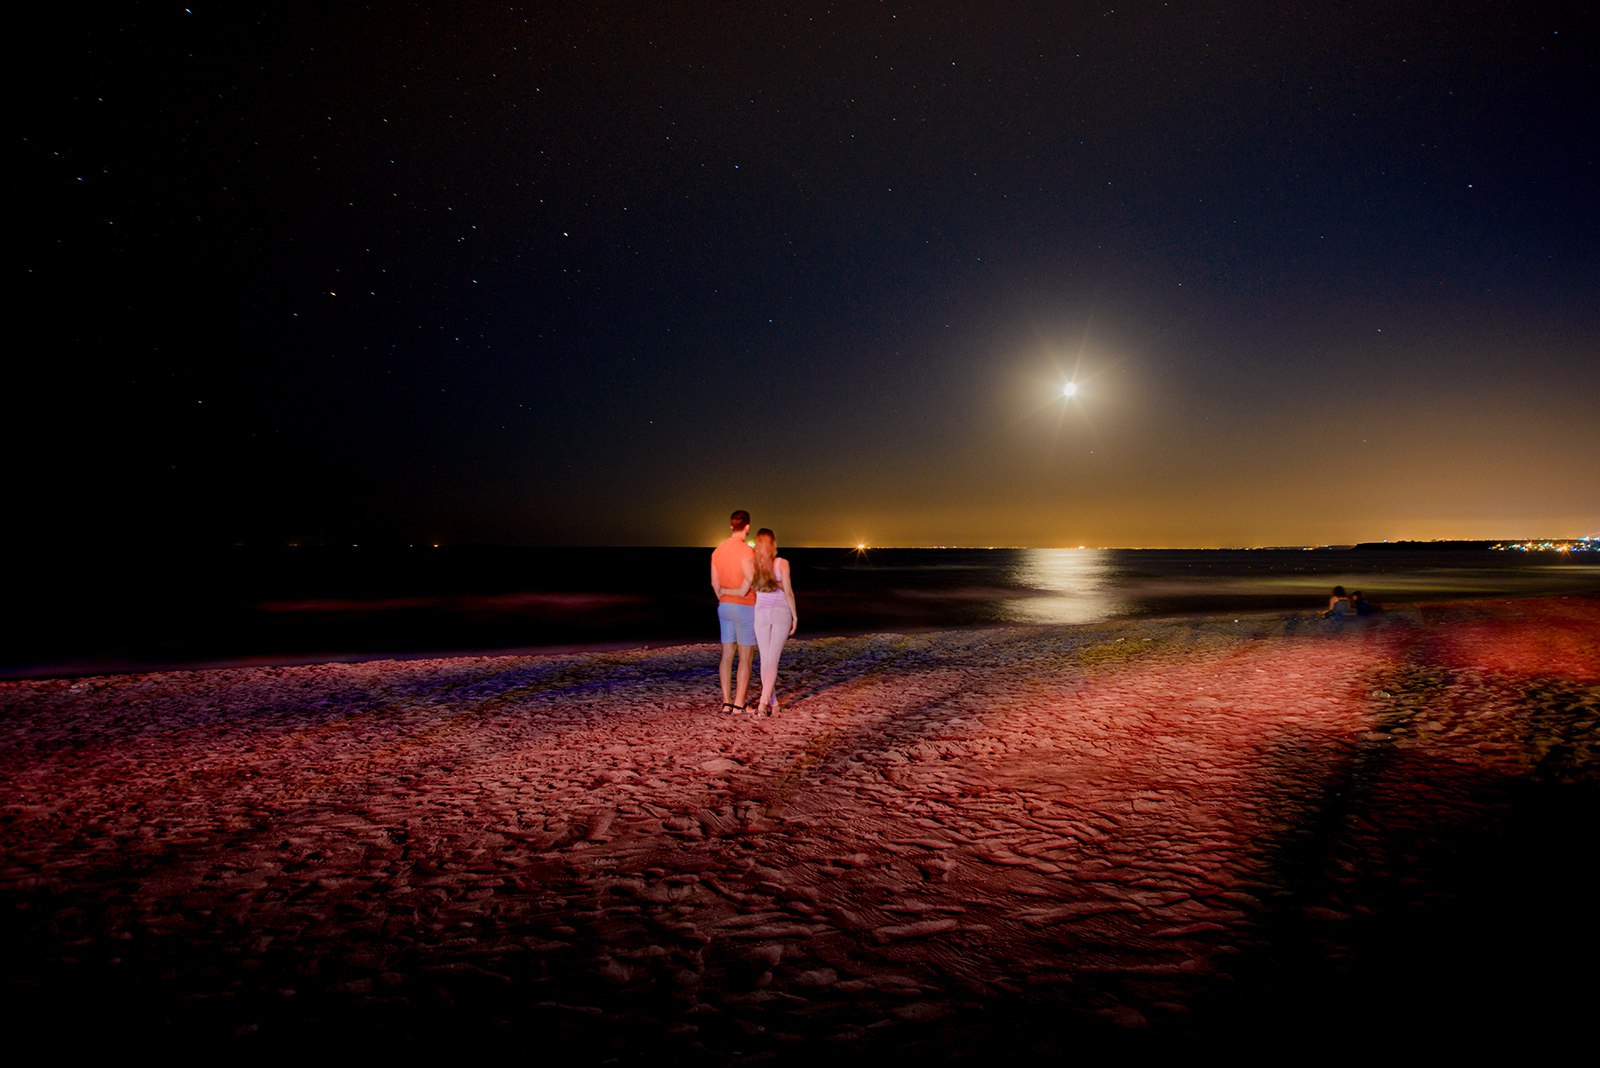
pixel 381 543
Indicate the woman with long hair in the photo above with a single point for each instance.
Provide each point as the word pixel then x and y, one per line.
pixel 776 615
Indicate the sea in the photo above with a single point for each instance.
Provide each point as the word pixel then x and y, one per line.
pixel 245 606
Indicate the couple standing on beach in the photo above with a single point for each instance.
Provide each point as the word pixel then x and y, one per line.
pixel 755 607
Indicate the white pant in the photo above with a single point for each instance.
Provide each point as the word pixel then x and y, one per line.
pixel 772 630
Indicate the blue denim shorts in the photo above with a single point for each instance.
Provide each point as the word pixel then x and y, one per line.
pixel 738 623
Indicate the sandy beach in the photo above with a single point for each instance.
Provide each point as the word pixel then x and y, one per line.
pixel 1035 841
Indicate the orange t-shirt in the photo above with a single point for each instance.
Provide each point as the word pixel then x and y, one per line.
pixel 728 560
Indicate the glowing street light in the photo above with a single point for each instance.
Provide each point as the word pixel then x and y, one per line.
pixel 1070 389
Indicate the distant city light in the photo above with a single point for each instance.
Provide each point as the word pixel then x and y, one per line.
pixel 1547 545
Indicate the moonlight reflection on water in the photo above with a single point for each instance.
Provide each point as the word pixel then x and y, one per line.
pixel 1074 586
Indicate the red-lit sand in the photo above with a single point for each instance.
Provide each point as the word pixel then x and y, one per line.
pixel 1031 842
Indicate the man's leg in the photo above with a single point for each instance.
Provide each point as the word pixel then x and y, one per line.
pixel 744 672
pixel 725 669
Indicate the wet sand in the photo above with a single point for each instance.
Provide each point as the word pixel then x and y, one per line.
pixel 1037 841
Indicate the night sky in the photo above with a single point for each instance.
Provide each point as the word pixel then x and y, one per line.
pixel 599 273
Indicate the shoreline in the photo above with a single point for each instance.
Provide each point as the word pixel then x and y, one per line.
pixel 1032 839
pixel 89 668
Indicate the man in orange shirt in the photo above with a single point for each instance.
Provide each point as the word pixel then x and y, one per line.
pixel 733 569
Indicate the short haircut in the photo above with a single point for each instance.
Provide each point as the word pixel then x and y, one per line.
pixel 739 520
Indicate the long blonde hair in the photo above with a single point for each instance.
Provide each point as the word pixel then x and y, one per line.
pixel 766 579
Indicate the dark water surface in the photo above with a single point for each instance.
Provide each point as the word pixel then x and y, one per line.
pixel 314 603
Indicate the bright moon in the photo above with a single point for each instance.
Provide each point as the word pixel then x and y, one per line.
pixel 1070 389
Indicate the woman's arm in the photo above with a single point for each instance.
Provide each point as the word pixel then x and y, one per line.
pixel 749 569
pixel 788 593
